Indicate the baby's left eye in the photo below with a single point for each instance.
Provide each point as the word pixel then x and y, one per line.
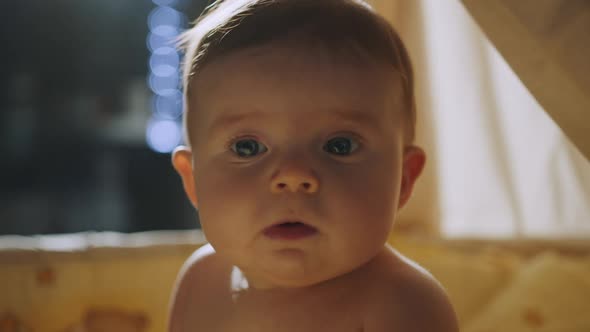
pixel 341 146
pixel 247 148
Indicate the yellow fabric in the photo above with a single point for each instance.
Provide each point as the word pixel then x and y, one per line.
pixel 492 289
pixel 133 283
pixel 498 165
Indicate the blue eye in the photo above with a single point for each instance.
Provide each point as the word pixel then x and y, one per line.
pixel 341 146
pixel 247 148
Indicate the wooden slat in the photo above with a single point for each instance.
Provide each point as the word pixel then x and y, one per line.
pixel 547 44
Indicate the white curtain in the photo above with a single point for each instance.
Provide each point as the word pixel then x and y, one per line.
pixel 499 167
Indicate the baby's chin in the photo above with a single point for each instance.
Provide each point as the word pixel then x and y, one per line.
pixel 286 276
pixel 299 266
pixel 278 282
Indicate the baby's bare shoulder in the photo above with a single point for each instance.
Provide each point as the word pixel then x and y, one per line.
pixel 200 279
pixel 202 258
pixel 406 297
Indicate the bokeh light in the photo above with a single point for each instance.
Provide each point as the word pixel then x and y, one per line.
pixel 155 42
pixel 165 2
pixel 164 16
pixel 163 135
pixel 163 132
pixel 164 85
pixel 164 62
pixel 168 107
pixel 166 31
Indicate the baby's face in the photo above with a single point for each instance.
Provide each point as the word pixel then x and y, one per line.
pixel 283 136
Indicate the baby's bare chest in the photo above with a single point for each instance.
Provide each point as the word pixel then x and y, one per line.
pixel 255 315
pixel 301 318
pixel 269 322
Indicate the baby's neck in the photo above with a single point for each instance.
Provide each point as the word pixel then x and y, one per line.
pixel 242 285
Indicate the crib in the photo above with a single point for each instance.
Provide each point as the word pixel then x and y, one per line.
pixel 122 282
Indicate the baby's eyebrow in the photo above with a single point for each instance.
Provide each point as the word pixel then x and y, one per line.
pixel 230 119
pixel 350 116
pixel 360 117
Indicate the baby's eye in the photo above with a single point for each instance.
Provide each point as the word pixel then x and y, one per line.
pixel 247 148
pixel 341 146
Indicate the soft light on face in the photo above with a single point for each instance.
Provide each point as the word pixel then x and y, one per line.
pixel 284 135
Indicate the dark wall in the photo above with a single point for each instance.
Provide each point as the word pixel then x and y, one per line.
pixel 71 157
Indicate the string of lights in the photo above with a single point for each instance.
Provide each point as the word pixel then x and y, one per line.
pixel 163 131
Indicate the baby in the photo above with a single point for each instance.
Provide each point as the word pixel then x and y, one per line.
pixel 299 126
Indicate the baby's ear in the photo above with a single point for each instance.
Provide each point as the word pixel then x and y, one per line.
pixel 413 164
pixel 182 159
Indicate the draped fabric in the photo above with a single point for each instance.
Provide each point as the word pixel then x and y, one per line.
pixel 499 166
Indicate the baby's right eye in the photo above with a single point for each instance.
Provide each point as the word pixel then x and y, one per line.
pixel 247 148
pixel 341 146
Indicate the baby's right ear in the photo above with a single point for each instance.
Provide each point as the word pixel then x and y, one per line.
pixel 182 159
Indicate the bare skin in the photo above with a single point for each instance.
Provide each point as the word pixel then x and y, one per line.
pixel 389 293
pixel 284 107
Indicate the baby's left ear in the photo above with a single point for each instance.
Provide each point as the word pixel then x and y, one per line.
pixel 413 164
pixel 182 160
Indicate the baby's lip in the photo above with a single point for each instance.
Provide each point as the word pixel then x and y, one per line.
pixel 289 230
pixel 290 221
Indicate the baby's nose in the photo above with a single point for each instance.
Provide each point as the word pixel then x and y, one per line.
pixel 294 180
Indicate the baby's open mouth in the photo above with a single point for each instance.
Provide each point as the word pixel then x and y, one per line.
pixel 290 230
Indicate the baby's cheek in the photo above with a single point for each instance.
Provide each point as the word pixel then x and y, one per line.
pixel 216 180
pixel 225 197
pixel 369 201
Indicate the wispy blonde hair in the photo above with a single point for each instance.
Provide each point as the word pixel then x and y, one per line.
pixel 348 28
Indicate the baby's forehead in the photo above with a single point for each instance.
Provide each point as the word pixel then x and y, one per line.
pixel 276 84
pixel 286 60
pixel 278 70
pixel 305 48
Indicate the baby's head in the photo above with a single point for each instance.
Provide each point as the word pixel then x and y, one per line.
pixel 299 124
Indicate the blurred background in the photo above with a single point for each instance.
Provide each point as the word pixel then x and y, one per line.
pixel 89 111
